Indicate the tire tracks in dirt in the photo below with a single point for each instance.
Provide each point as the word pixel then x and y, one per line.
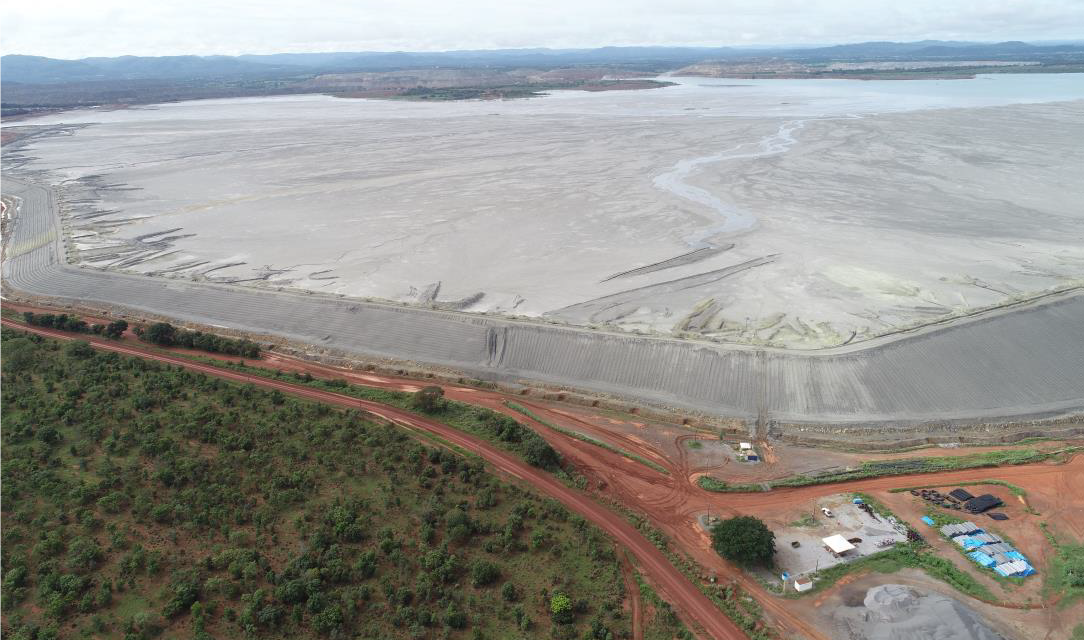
pixel 687 599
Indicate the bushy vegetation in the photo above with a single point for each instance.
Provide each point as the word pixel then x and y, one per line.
pixel 142 500
pixel 661 622
pixel 164 334
pixel 584 438
pixel 1065 575
pixel 495 428
pixel 65 322
pixel 745 540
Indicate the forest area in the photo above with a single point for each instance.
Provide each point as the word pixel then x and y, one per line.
pixel 141 500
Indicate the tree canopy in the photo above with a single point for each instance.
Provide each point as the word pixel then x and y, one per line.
pixel 744 540
pixel 429 399
pixel 266 516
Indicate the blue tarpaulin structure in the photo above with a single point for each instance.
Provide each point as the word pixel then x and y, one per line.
pixel 968 543
pixel 928 520
pixel 1018 568
pixel 982 559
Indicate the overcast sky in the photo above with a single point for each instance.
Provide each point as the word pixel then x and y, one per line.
pixel 80 28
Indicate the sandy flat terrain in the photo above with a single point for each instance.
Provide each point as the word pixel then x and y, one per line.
pixel 798 214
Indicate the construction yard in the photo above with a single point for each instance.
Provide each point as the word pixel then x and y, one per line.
pixel 865 531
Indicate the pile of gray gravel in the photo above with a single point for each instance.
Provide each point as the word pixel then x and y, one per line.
pixel 897 612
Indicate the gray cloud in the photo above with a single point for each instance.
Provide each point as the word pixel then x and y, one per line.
pixel 76 28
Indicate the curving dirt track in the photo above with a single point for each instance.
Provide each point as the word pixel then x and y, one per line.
pixel 1020 362
pixel 672 502
pixel 671 583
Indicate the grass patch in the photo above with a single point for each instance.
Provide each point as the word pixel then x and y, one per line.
pixel 664 624
pixel 940 517
pixel 907 466
pixel 805 521
pixel 1065 574
pixel 721 486
pixel 904 555
pixel 694 444
pixel 584 438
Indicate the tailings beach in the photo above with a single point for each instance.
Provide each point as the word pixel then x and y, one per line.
pixel 800 249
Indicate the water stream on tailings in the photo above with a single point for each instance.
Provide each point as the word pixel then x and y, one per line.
pixel 733 218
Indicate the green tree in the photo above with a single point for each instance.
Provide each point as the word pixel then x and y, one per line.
pixel 561 608
pixel 161 333
pixel 540 454
pixel 745 540
pixel 83 554
pixel 483 573
pixel 80 349
pixel 116 328
pixel 429 399
pixel 19 354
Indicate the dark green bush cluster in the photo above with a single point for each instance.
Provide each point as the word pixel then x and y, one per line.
pixel 141 499
pixel 64 322
pixel 164 334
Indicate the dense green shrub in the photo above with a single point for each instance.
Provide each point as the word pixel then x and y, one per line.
pixel 168 503
pixel 744 540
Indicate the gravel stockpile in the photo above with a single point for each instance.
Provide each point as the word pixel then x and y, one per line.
pixel 897 612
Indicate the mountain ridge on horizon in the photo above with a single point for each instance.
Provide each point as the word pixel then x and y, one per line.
pixel 30 69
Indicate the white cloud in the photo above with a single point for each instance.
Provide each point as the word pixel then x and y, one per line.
pixel 77 28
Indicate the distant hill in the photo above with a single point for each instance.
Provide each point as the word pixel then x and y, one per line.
pixel 33 84
pixel 40 70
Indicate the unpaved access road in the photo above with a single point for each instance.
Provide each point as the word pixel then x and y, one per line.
pixel 674 586
pixel 673 502
pixel 1027 361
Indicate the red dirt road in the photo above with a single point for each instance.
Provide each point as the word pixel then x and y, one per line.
pixel 672 502
pixel 674 587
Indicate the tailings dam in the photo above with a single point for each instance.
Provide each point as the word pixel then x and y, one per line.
pixel 820 251
pixel 1024 362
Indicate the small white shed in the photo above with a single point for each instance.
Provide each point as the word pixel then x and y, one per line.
pixel 803 584
pixel 745 446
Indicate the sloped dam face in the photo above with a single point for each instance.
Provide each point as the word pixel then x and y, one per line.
pixel 1023 362
pixel 820 251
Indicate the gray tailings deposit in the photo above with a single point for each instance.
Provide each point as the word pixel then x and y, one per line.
pixel 734 219
pixel 1021 362
pixel 793 214
pixel 897 612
